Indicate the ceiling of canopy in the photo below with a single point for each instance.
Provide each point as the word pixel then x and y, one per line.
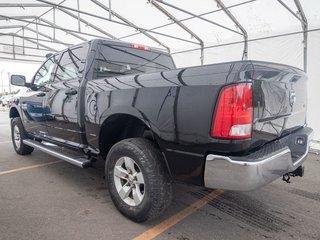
pixel 30 29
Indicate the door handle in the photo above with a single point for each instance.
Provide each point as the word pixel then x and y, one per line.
pixel 71 91
pixel 40 94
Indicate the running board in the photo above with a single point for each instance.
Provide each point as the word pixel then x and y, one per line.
pixel 66 155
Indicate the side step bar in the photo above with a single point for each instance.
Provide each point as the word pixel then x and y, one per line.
pixel 68 156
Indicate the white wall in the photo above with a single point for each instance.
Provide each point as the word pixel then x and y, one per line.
pixel 314 83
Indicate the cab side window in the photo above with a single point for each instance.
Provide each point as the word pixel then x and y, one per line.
pixel 71 63
pixel 45 73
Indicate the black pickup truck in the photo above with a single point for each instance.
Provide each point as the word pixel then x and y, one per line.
pixel 234 126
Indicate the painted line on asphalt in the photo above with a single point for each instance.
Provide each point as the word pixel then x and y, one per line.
pixel 29 167
pixel 170 222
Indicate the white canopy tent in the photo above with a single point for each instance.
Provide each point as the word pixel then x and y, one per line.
pixel 195 32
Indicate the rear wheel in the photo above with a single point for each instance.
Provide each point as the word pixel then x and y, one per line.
pixel 138 181
pixel 18 134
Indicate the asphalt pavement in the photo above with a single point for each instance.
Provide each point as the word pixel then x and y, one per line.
pixel 44 198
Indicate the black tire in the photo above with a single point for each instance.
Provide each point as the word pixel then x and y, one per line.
pixel 157 186
pixel 23 149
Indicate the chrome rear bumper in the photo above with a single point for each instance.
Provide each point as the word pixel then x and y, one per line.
pixel 239 174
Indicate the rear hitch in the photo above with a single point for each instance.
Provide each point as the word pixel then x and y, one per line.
pixel 299 172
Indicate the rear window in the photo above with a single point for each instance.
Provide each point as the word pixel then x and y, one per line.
pixel 116 60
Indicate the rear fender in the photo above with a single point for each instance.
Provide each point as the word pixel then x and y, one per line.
pixel 130 111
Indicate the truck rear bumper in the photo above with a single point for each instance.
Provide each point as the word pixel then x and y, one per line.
pixel 260 168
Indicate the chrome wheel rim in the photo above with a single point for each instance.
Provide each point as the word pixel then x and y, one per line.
pixel 16 136
pixel 129 181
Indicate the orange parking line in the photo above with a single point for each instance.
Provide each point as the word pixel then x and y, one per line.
pixel 168 223
pixel 29 167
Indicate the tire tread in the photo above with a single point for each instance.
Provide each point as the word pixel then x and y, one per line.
pixel 159 181
pixel 24 149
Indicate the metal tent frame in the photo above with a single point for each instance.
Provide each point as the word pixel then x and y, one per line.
pixel 43 42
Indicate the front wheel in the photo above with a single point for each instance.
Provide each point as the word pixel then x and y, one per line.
pixel 18 134
pixel 138 181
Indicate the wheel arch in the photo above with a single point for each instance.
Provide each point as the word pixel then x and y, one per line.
pixel 120 125
pixel 13 113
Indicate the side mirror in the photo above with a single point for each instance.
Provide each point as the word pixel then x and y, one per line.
pixel 18 80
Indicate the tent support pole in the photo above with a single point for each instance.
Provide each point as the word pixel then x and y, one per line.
pixel 86 22
pixel 26 47
pixel 47 36
pixel 195 15
pixel 22 5
pixel 236 22
pixel 110 9
pixel 191 17
pixel 22 60
pixel 202 53
pixel 54 25
pixel 54 22
pixel 304 23
pixel 37 32
pixel 78 7
pixel 129 23
pixel 40 44
pixel 249 40
pixel 113 21
pixel 34 31
pixel 23 49
pixel 13 48
pixel 29 40
pixel 67 30
pixel 180 24
pixel 37 17
pixel 19 54
pixel 305 48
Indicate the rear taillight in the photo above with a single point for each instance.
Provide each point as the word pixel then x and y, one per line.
pixel 233 117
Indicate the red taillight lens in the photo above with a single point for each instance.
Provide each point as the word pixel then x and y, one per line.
pixel 233 118
pixel 140 47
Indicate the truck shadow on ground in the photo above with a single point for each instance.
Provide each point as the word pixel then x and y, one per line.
pixel 245 211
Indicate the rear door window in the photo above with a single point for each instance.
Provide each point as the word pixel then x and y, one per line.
pixel 113 60
pixel 71 63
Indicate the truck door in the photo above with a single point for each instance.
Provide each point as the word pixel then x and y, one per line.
pixel 63 120
pixel 33 110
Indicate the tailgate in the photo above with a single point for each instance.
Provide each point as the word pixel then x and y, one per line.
pixel 279 99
